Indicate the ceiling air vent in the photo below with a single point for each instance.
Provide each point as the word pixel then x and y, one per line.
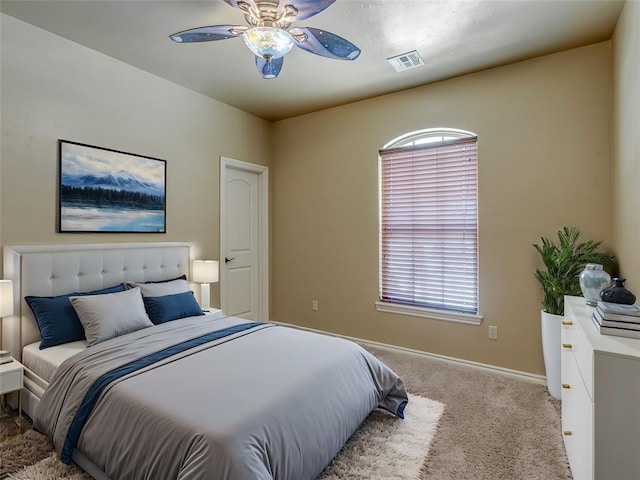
pixel 406 61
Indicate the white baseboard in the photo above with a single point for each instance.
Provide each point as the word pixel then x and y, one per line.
pixel 531 377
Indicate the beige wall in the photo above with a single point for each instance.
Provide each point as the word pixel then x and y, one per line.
pixel 626 143
pixel 52 88
pixel 544 154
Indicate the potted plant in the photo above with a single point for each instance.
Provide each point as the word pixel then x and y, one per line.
pixel 564 262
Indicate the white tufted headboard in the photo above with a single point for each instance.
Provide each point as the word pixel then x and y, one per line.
pixel 47 270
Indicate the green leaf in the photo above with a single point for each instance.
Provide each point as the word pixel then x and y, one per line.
pixel 564 261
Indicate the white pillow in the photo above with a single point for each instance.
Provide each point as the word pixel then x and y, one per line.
pixel 161 289
pixel 110 315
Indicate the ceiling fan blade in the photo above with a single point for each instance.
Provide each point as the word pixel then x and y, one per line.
pixel 305 8
pixel 270 69
pixel 208 34
pixel 325 44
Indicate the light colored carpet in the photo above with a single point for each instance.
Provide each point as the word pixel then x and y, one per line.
pixel 495 427
pixel 383 448
pixel 50 468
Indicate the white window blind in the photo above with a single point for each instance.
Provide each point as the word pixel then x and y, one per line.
pixel 429 225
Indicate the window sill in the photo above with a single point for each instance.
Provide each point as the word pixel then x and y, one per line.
pixel 431 313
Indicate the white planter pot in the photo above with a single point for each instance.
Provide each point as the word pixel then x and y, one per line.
pixel 551 328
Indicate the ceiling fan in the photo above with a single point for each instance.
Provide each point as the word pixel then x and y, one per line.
pixel 269 35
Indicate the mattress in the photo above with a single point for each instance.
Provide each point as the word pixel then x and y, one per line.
pixel 44 363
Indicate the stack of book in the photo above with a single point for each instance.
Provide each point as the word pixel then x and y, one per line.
pixel 617 319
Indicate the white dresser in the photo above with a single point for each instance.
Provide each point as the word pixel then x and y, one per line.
pixel 600 398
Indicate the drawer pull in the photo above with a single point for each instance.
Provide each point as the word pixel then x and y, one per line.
pixel 567 323
pixel 566 345
pixel 566 385
pixel 567 433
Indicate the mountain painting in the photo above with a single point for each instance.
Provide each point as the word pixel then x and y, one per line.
pixel 103 190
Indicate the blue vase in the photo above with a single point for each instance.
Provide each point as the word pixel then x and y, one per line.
pixel 617 293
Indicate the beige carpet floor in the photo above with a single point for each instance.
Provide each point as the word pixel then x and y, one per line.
pixel 493 427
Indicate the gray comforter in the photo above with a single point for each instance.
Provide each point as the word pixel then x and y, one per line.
pixel 267 402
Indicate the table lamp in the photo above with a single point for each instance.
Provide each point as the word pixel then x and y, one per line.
pixel 205 272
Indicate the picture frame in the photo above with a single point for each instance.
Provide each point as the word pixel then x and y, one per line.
pixel 101 190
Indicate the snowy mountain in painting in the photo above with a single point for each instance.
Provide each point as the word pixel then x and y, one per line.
pixel 118 181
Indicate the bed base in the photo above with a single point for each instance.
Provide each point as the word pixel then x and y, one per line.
pixel 34 387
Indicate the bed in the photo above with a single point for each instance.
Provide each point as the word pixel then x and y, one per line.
pixel 201 396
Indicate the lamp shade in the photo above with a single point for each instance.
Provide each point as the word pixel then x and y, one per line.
pixel 205 271
pixel 6 298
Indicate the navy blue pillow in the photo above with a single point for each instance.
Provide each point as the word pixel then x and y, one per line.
pixel 171 307
pixel 57 320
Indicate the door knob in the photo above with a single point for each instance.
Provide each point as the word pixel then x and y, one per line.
pixel 227 260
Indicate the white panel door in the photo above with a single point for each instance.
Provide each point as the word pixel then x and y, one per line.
pixel 243 240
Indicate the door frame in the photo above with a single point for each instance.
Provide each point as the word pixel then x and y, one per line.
pixel 227 163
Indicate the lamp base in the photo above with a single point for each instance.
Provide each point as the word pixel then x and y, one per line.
pixel 205 296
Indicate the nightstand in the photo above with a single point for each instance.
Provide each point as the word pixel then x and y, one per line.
pixel 11 381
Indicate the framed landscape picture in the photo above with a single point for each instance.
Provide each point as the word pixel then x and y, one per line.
pixel 103 190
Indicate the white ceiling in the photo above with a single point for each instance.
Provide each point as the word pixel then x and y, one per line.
pixel 454 37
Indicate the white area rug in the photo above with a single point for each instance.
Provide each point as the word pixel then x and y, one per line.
pixel 50 468
pixel 387 448
pixel 383 448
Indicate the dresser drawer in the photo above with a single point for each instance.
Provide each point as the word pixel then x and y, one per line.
pixel 577 419
pixel 575 341
pixel 568 330
pixel 583 350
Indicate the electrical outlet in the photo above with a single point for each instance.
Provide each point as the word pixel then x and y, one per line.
pixel 493 332
pixel 314 305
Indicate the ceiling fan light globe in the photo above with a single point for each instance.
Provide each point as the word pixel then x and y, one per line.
pixel 268 42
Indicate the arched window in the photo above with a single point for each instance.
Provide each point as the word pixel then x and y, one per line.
pixel 429 225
